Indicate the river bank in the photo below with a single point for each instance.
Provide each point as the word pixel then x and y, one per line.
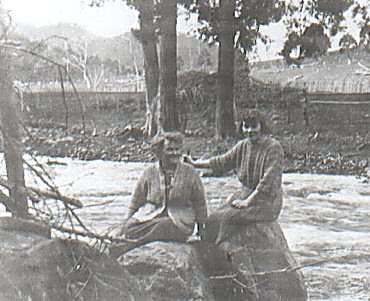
pixel 325 217
pixel 326 153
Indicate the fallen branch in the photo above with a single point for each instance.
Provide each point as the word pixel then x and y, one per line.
pixel 367 69
pixel 31 191
pixel 290 268
pixel 226 276
pixel 89 234
pixel 56 196
pixel 233 277
pixel 77 295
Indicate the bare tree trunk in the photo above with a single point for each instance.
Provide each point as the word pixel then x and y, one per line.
pixel 225 126
pixel 147 36
pixel 168 119
pixel 12 141
pixel 151 82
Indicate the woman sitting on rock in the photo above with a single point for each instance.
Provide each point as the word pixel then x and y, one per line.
pixel 257 160
pixel 175 191
pixel 245 226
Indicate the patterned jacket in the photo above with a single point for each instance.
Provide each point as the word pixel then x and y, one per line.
pixel 186 199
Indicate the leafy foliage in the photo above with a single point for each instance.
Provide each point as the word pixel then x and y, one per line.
pixel 300 14
pixel 250 15
pixel 313 42
pixel 360 11
pixel 347 42
pixel 310 25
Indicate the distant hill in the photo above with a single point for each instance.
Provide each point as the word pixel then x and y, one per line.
pixel 124 48
pixel 335 72
pixel 73 31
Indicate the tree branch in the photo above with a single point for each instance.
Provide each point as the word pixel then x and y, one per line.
pixel 31 191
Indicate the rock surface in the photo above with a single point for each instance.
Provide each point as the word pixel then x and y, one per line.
pixel 262 251
pixel 34 267
pixel 174 271
pixel 168 271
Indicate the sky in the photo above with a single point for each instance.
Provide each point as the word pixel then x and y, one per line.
pixel 113 19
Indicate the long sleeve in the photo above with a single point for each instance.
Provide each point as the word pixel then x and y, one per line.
pixel 226 162
pixel 267 193
pixel 273 168
pixel 139 196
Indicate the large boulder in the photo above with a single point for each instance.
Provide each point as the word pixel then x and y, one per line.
pixel 35 267
pixel 262 251
pixel 168 271
pixel 254 264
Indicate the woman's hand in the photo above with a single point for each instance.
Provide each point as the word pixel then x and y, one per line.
pixel 198 163
pixel 193 238
pixel 125 225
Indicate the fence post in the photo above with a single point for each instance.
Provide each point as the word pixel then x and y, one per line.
pixel 305 109
pixel 12 141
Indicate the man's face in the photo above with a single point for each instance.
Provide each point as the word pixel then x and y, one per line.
pixel 251 129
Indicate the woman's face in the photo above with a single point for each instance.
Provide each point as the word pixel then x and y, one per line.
pixel 251 129
pixel 171 151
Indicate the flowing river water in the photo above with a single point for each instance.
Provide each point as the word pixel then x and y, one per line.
pixel 326 218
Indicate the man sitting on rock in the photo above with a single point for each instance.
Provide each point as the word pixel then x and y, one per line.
pixel 245 226
pixel 176 194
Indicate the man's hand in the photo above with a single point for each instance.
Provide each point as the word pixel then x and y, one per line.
pixel 239 204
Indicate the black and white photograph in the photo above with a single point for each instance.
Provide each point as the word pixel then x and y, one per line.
pixel 185 150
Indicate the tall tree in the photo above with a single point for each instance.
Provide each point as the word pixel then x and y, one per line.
pixel 225 126
pixel 168 117
pixel 232 24
pixel 148 37
pixel 9 127
pixel 163 100
pixel 316 20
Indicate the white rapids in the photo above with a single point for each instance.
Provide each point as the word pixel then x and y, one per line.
pixel 326 218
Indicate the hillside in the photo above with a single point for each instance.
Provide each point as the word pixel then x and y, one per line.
pixel 336 72
pixel 33 32
pixel 124 48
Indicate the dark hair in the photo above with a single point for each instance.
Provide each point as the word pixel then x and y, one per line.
pixel 254 116
pixel 157 142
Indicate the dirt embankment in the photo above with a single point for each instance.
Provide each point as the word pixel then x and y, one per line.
pixel 113 133
pixel 304 152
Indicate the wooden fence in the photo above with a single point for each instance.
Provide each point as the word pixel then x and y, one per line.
pixel 324 111
pixel 343 113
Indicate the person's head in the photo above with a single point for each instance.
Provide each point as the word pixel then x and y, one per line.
pixel 253 125
pixel 168 146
